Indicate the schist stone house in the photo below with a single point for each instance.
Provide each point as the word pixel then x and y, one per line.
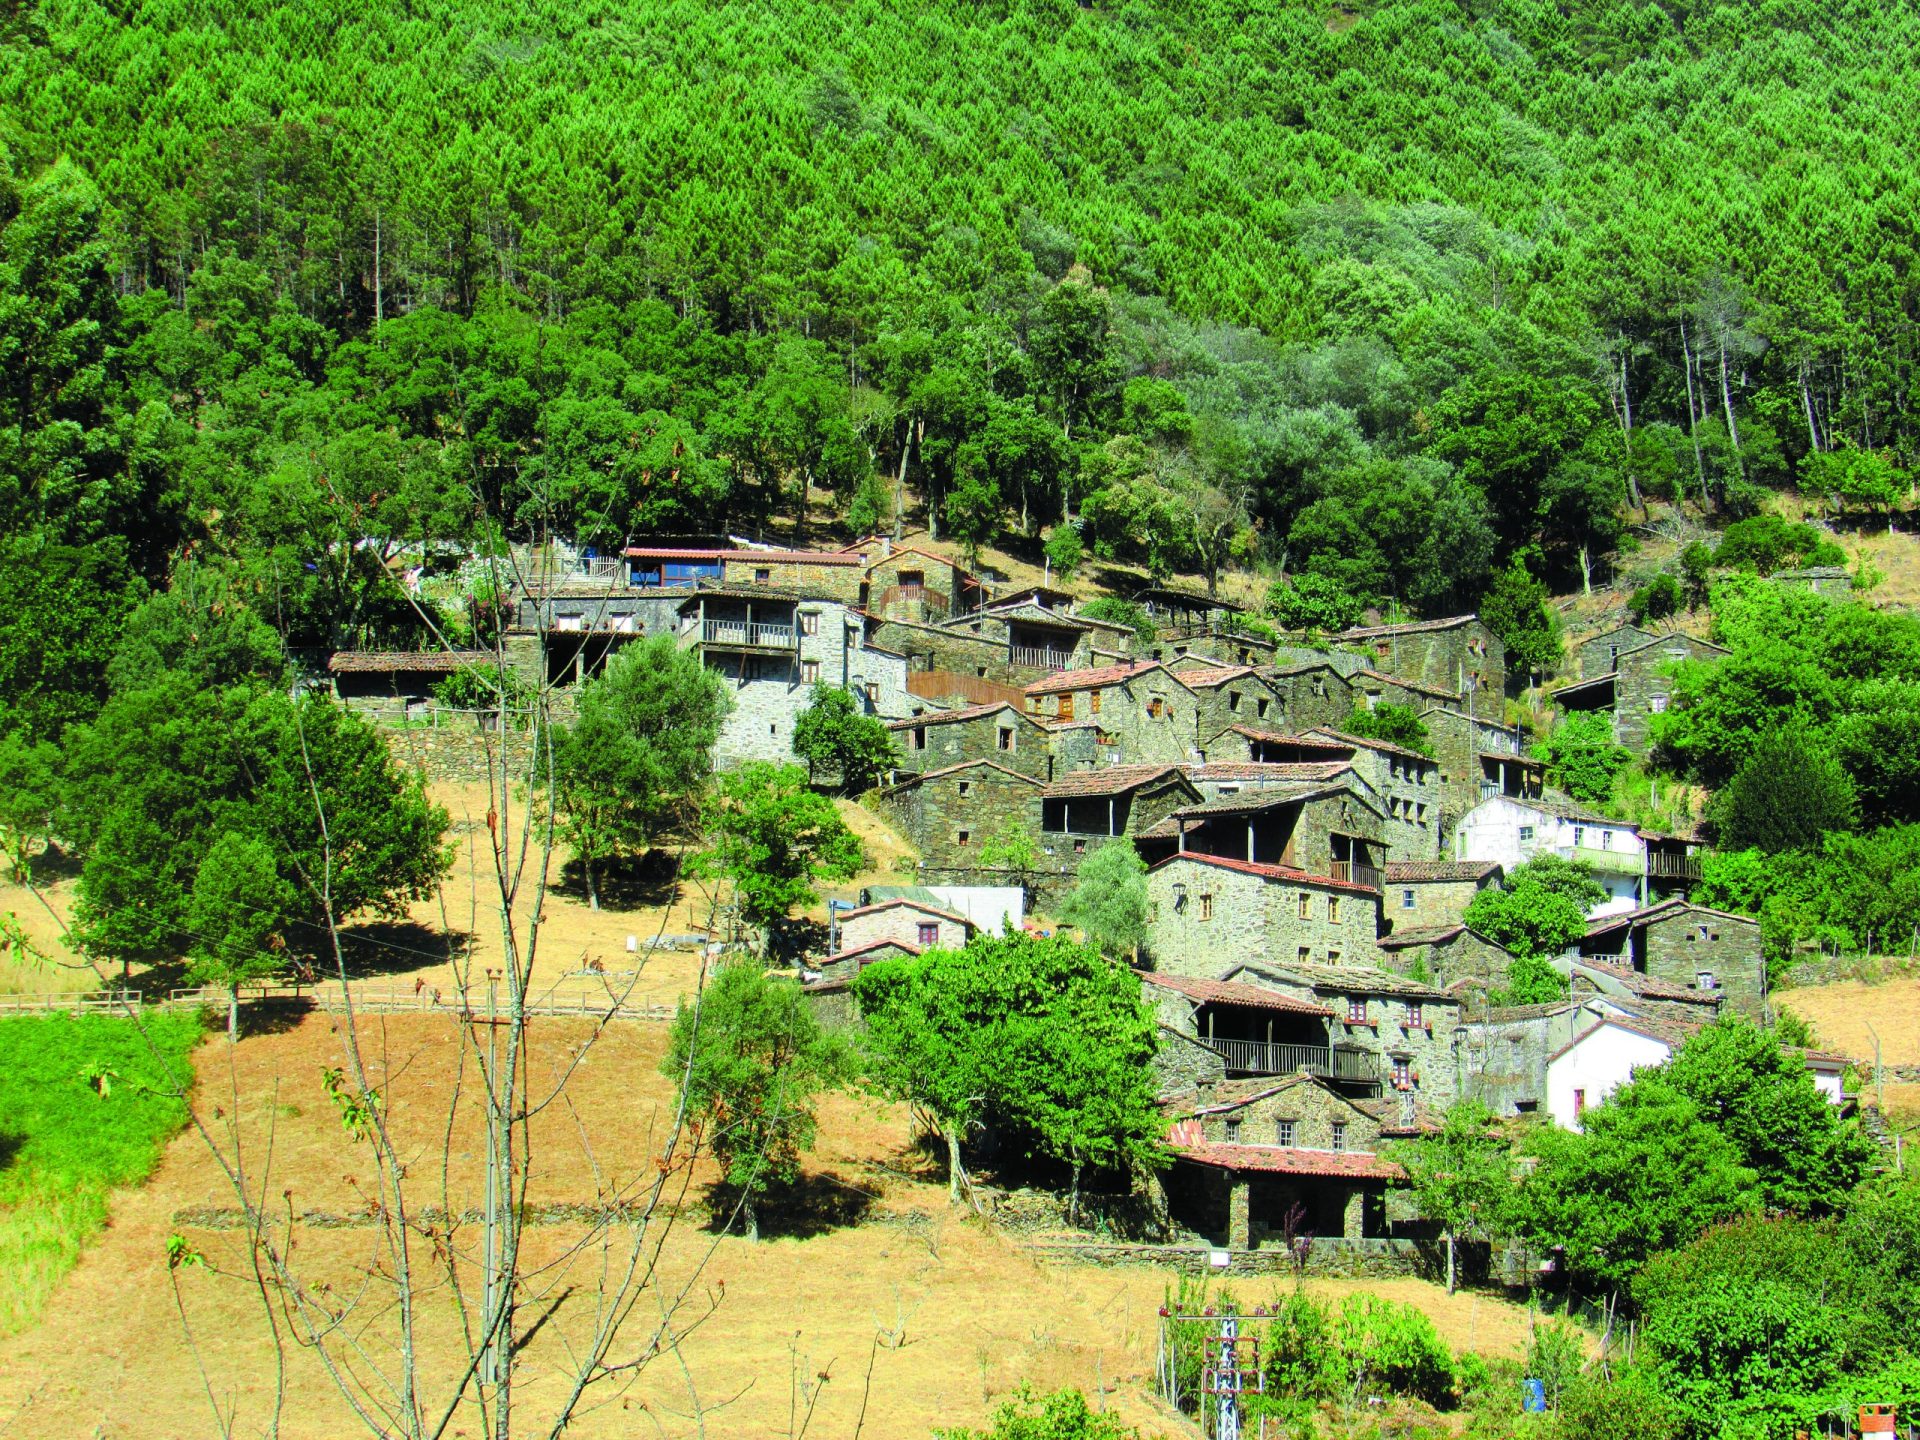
pixel 904 583
pixel 1831 581
pixel 1687 946
pixel 1462 961
pixel 1600 655
pixel 1081 811
pixel 909 922
pixel 1002 644
pixel 1504 1053
pixel 393 679
pixel 1324 827
pixel 1510 832
pixel 772 647
pixel 1225 696
pixel 1311 692
pixel 1434 892
pixel 1456 655
pixel 1639 686
pixel 1479 758
pixel 949 813
pixel 1404 785
pixel 1251 1154
pixel 1002 732
pixel 1209 911
pixel 1145 713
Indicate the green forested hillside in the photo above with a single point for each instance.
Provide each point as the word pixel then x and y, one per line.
pixel 1393 292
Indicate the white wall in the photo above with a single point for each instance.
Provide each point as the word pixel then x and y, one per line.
pixel 987 906
pixel 1491 831
pixel 1827 1082
pixel 1598 1063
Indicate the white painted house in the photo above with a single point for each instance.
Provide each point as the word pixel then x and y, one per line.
pixel 1510 831
pixel 1590 1067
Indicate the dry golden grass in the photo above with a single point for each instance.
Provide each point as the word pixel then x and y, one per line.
pixel 964 1314
pixel 1842 1012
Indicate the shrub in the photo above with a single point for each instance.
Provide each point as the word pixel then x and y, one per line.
pixel 1655 600
pixel 1393 1346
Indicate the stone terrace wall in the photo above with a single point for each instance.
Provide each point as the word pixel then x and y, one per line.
pixel 457 754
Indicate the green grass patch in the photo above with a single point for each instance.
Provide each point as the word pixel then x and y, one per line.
pixel 85 1105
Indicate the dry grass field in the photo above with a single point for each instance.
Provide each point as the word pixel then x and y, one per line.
pixel 1846 1014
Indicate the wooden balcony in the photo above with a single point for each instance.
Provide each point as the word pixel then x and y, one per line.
pixel 1039 658
pixel 1357 872
pixel 1672 867
pixel 1610 862
pixel 740 635
pixel 1262 1057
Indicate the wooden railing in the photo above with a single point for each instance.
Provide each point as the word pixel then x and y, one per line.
pixel 1356 872
pixel 1673 867
pixel 1613 862
pixel 754 636
pixel 1039 658
pixel 1264 1057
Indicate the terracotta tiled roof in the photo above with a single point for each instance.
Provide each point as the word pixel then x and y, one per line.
pixel 1088 679
pixel 920 905
pixel 1229 992
pixel 757 557
pixel 945 770
pixel 1109 780
pixel 1287 1160
pixel 1414 872
pixel 1212 675
pixel 439 662
pixel 954 717
pixel 1420 935
pixel 1646 986
pixel 1026 613
pixel 1281 873
pixel 1274 737
pixel 1261 797
pixel 1362 743
pixel 1411 627
pixel 1288 773
pixel 869 948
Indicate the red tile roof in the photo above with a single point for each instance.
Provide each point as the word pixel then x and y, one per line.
pixel 1109 780
pixel 1211 675
pixel 1284 873
pixel 1088 679
pixel 1228 992
pixel 1362 743
pixel 1660 909
pixel 1419 935
pixel 1289 1160
pixel 1286 772
pixel 1414 872
pixel 921 906
pixel 1273 737
pixel 881 944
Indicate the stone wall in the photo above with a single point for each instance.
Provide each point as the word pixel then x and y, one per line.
pixel 1435 902
pixel 1461 657
pixel 949 817
pixel 1602 653
pixel 1251 918
pixel 458 753
pixel 1317 695
pixel 902 922
pixel 934 746
pixel 1677 952
pixel 1373 1259
pixel 842 581
pixel 1644 684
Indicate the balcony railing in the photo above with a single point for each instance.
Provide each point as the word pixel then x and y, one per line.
pixel 1039 658
pixel 1357 872
pixel 753 637
pixel 1673 867
pixel 1613 862
pixel 1263 1057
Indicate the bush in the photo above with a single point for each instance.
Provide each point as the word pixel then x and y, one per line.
pixel 1655 600
pixel 1063 1415
pixel 1394 724
pixel 1766 543
pixel 1788 794
pixel 1313 602
pixel 1116 611
pixel 1583 758
pixel 1395 1347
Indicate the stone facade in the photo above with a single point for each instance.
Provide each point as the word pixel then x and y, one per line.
pixel 1503 1057
pixel 949 814
pixel 1479 757
pixel 915 585
pixel 834 575
pixel 1311 693
pixel 1225 646
pixel 1374 688
pixel 1225 696
pixel 1144 712
pixel 1434 892
pixel 1643 683
pixel 1601 654
pixel 937 739
pixel 1408 784
pixel 1691 948
pixel 990 646
pixel 1450 956
pixel 906 923
pixel 1456 655
pixel 1228 911
pixel 1082 811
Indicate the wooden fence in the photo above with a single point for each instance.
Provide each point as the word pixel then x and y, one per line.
pixel 952 685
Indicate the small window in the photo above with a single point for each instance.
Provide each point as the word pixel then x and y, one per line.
pixel 1233 1130
pixel 873 692
pixel 1283 1132
pixel 929 934
pixel 1579 1103
pixel 1406 899
pixel 1304 955
pixel 919 737
pixel 1402 1073
pixel 1416 1016
pixel 1260 708
pixel 1526 832
pixel 1206 907
pixel 1339 1132
pixel 1356 1010
pixel 1154 707
pixel 1006 737
pixel 809 672
pixel 1579 835
pixel 1706 980
pixel 1093 702
pixel 772 728
pixel 1079 847
pixel 762 577
pixel 966 787
pixel 1333 957
pixel 963 837
pixel 1657 704
pixel 1233 701
pixel 809 623
pixel 1333 909
pixel 1306 906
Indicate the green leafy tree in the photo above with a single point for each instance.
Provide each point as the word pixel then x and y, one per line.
pixel 1515 609
pixel 774 839
pixel 1109 898
pixel 1462 1177
pixel 750 1058
pixel 1396 724
pixel 1531 980
pixel 1696 574
pixel 1063 1415
pixel 1789 793
pixel 1583 758
pixel 832 734
pixel 1659 598
pixel 1012 848
pixel 29 794
pixel 1064 551
pixel 1116 611
pixel 238 904
pixel 975 514
pixel 634 762
pixel 1541 910
pixel 1313 603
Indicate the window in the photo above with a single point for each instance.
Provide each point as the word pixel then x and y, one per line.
pixel 1339 1129
pixel 928 934
pixel 919 737
pixel 762 577
pixel 912 582
pixel 1657 704
pixel 966 787
pixel 1233 1130
pixel 1706 980
pixel 1402 1073
pixel 1579 1103
pixel 1206 907
pixel 1079 847
pixel 1006 737
pixel 1579 836
pixel 1283 1132
pixel 1416 1019
pixel 1356 1010
pixel 1333 957
pixel 1613 657
pixel 809 623
pixel 1606 839
pixel 1260 708
pixel 1093 703
pixel 809 671
pixel 1406 899
pixel 1233 701
pixel 963 837
pixel 1305 955
pixel 1306 906
pixel 1154 707
pixel 873 692
pixel 1526 832
pixel 1333 909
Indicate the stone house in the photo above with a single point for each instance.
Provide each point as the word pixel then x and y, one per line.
pixel 1408 783
pixel 1601 654
pixel 1434 892
pixel 904 922
pixel 834 573
pixel 1404 1027
pixel 949 813
pixel 1374 688
pixel 1479 757
pixel 1257 1162
pixel 1639 686
pixel 1082 810
pixel 1145 712
pixel 1177 612
pixel 1206 912
pixel 1458 654
pixel 1226 696
pixel 567 630
pixel 1002 732
pixel 772 647
pixel 1503 1053
pixel 1224 645
pixel 1510 832
pixel 1212 1029
pixel 1831 581
pixel 1591 975
pixel 393 680
pixel 1689 946
pixel 841 966
pixel 906 583
pixel 1311 692
pixel 1451 956
pixel 1326 828
pixel 1011 646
